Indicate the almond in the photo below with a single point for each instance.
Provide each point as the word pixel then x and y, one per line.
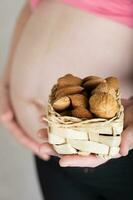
pixel 103 105
pixel 92 82
pixel 81 112
pixel 69 80
pixel 61 103
pixel 66 113
pixel 113 82
pixel 90 78
pixel 68 91
pixel 53 91
pixel 78 100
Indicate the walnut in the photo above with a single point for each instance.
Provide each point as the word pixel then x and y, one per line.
pixel 103 105
pixel 113 82
pixel 104 87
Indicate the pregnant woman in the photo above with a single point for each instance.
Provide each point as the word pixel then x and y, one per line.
pixel 82 37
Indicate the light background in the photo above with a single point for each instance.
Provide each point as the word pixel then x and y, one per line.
pixel 18 180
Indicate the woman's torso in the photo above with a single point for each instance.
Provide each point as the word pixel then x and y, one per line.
pixel 60 39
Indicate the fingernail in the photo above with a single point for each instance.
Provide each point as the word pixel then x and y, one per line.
pixel 63 164
pixel 45 157
pixel 124 153
pixel 117 156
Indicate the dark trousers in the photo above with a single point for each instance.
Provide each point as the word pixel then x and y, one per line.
pixel 110 181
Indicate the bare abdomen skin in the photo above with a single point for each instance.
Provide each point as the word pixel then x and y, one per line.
pixel 60 39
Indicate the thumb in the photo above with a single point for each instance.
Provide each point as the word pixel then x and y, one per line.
pixel 126 141
pixel 127 102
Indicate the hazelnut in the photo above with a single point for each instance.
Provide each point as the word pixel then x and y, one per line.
pixel 68 91
pixel 103 105
pixel 78 100
pixel 81 112
pixel 61 103
pixel 113 82
pixel 69 80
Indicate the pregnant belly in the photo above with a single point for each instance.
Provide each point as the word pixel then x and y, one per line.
pixel 53 44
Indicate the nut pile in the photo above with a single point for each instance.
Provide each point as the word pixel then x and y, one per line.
pixel 86 98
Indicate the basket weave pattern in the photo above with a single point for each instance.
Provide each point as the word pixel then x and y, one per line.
pixel 70 135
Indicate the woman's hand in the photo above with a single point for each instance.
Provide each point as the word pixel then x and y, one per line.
pixel 45 147
pixel 127 135
pixel 7 117
pixel 126 143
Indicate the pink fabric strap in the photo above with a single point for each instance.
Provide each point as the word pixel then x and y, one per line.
pixel 118 10
pixel 34 3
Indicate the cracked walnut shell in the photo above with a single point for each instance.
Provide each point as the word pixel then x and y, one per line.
pixel 113 82
pixel 104 87
pixel 103 105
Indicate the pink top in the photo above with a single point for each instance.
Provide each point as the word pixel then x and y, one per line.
pixel 118 10
pixel 34 3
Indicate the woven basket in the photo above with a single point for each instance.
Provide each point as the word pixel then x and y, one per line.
pixel 70 135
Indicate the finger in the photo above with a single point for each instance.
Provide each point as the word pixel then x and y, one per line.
pixel 131 98
pixel 81 161
pixel 125 102
pixel 39 105
pixel 128 116
pixel 116 156
pixel 22 137
pixel 47 149
pixel 43 134
pixel 126 141
pixel 43 119
pixel 6 113
pixel 43 156
pixel 5 106
pixel 26 140
pixel 6 116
